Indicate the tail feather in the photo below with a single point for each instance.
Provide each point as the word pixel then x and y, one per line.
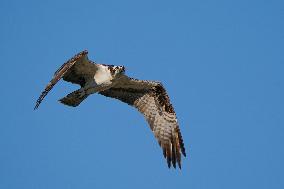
pixel 74 98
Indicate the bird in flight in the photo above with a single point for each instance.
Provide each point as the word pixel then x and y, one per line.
pixel 149 97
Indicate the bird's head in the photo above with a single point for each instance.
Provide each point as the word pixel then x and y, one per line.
pixel 116 71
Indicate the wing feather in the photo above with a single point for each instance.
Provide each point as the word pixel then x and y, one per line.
pixel 151 99
pixel 66 72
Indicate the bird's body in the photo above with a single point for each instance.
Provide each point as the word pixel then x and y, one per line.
pixel 149 97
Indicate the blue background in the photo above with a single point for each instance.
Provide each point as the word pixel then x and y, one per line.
pixel 222 64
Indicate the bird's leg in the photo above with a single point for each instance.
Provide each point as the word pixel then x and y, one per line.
pixel 82 92
pixel 94 88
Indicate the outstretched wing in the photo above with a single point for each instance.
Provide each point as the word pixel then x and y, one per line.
pixel 68 71
pixel 151 99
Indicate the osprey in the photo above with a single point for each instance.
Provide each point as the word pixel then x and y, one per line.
pixel 149 97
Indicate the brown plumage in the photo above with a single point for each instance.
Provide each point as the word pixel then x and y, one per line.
pixel 153 102
pixel 67 72
pixel 148 97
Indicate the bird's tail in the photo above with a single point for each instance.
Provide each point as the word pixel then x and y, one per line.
pixel 74 98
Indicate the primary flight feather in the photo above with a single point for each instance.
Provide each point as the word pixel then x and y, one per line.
pixel 149 97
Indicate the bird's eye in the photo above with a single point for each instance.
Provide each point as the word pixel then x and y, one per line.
pixel 111 69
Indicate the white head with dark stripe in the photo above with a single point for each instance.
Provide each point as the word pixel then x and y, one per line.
pixel 116 71
pixel 108 73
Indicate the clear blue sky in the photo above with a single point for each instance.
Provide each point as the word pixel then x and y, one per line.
pixel 222 64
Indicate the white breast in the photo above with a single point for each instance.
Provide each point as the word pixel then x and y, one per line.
pixel 102 75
